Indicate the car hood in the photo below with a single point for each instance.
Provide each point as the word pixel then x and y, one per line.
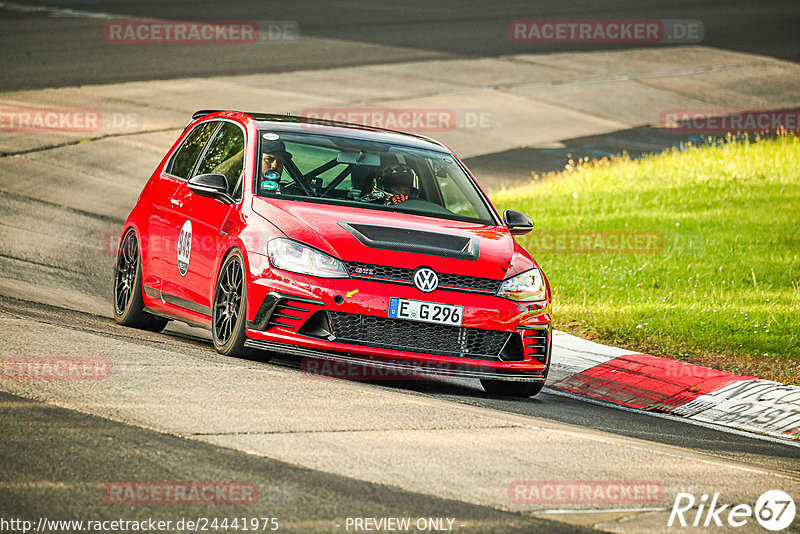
pixel 397 239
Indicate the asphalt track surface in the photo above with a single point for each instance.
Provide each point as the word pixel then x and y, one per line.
pixel 55 272
pixel 56 461
pixel 46 49
pixel 93 451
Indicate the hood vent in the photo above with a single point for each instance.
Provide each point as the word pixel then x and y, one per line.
pixel 417 241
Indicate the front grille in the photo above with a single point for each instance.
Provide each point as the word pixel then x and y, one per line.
pixel 414 336
pixel 459 282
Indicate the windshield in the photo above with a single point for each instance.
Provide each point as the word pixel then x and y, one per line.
pixel 331 169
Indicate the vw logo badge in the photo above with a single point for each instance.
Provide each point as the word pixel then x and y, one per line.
pixel 425 279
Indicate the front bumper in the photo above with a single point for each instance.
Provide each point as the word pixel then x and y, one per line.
pixel 347 320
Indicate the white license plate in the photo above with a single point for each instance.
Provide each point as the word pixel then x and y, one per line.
pixel 427 312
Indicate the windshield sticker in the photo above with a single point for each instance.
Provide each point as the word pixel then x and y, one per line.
pixel 271 136
pixel 269 185
pixel 184 247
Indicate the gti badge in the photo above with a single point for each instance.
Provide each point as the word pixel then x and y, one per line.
pixel 425 279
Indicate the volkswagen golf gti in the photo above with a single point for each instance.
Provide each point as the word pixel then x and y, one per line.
pixel 330 240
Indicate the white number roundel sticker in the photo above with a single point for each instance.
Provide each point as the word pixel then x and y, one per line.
pixel 184 247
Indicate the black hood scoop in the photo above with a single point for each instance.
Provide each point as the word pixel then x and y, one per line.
pixel 417 241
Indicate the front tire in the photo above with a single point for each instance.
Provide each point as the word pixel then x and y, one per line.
pixel 230 304
pixel 128 302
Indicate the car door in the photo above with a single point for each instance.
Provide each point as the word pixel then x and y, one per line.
pixel 161 243
pixel 200 228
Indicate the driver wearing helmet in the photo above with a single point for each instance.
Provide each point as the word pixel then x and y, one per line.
pixel 398 183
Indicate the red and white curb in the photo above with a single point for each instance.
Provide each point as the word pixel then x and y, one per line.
pixel 656 384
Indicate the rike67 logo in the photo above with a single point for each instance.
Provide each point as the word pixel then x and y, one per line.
pixel 774 510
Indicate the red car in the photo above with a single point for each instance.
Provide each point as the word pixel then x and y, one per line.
pixel 335 241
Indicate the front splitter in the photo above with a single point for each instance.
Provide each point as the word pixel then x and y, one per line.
pixel 403 369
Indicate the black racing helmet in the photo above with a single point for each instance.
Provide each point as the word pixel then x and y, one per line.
pixel 397 176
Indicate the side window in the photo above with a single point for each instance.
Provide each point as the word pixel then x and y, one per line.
pixel 225 155
pixel 185 157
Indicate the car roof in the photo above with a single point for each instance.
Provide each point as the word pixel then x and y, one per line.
pixel 308 125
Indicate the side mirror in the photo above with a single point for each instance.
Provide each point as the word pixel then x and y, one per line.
pixel 518 223
pixel 211 186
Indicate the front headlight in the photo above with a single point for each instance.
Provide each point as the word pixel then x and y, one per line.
pixel 527 286
pixel 298 258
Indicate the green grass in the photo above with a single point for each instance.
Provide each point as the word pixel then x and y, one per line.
pixel 723 291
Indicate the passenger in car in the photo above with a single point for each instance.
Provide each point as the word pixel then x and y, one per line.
pixel 273 156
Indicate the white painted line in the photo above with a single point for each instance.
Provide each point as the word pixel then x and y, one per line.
pixel 58 12
pixel 597 511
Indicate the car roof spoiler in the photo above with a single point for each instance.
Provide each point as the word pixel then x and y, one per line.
pixel 203 112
